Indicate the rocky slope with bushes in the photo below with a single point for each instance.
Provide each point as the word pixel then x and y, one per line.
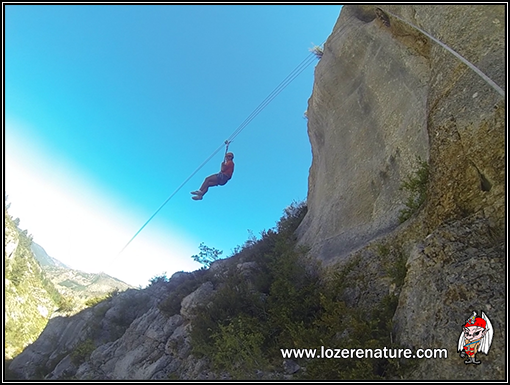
pixel 30 298
pixel 39 287
pixel 402 236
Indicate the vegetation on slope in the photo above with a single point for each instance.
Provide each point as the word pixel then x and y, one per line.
pixel 34 293
pixel 291 304
pixel 30 297
pixel 284 300
pixel 415 185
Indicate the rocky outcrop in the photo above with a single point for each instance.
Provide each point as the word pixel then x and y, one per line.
pixel 38 288
pixel 457 269
pixel 66 341
pixel 130 336
pixel 379 91
pixel 367 124
pixel 385 93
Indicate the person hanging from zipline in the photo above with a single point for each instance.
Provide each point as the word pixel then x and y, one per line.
pixel 219 179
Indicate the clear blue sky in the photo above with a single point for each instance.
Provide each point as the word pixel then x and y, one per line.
pixel 110 108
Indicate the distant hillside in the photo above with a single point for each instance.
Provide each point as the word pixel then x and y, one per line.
pixel 75 282
pixel 83 285
pixel 30 297
pixel 43 258
pixel 38 287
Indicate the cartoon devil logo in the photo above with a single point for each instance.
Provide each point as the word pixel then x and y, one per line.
pixel 476 337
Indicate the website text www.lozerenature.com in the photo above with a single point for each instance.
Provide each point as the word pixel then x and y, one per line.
pixel 387 353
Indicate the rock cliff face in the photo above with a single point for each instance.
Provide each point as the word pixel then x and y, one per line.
pixel 367 124
pixel 386 97
pixel 385 93
pixel 134 335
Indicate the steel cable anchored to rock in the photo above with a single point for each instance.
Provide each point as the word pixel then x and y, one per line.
pixel 383 16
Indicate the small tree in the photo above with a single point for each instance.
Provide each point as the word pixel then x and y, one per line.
pixel 207 255
pixel 158 278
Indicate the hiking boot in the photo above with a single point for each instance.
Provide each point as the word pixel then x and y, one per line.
pixel 197 197
pixel 198 192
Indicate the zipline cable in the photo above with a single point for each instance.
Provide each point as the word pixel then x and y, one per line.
pixel 295 73
pixel 487 79
pixel 171 196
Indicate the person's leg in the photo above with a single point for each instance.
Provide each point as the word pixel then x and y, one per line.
pixel 210 181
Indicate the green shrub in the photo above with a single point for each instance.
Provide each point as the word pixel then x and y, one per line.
pixel 346 327
pixel 158 279
pixel 207 255
pixel 82 351
pixel 66 304
pixel 270 311
pixel 394 262
pixel 290 304
pixel 238 348
pixel 95 300
pixel 233 299
pixel 416 187
pixel 398 270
